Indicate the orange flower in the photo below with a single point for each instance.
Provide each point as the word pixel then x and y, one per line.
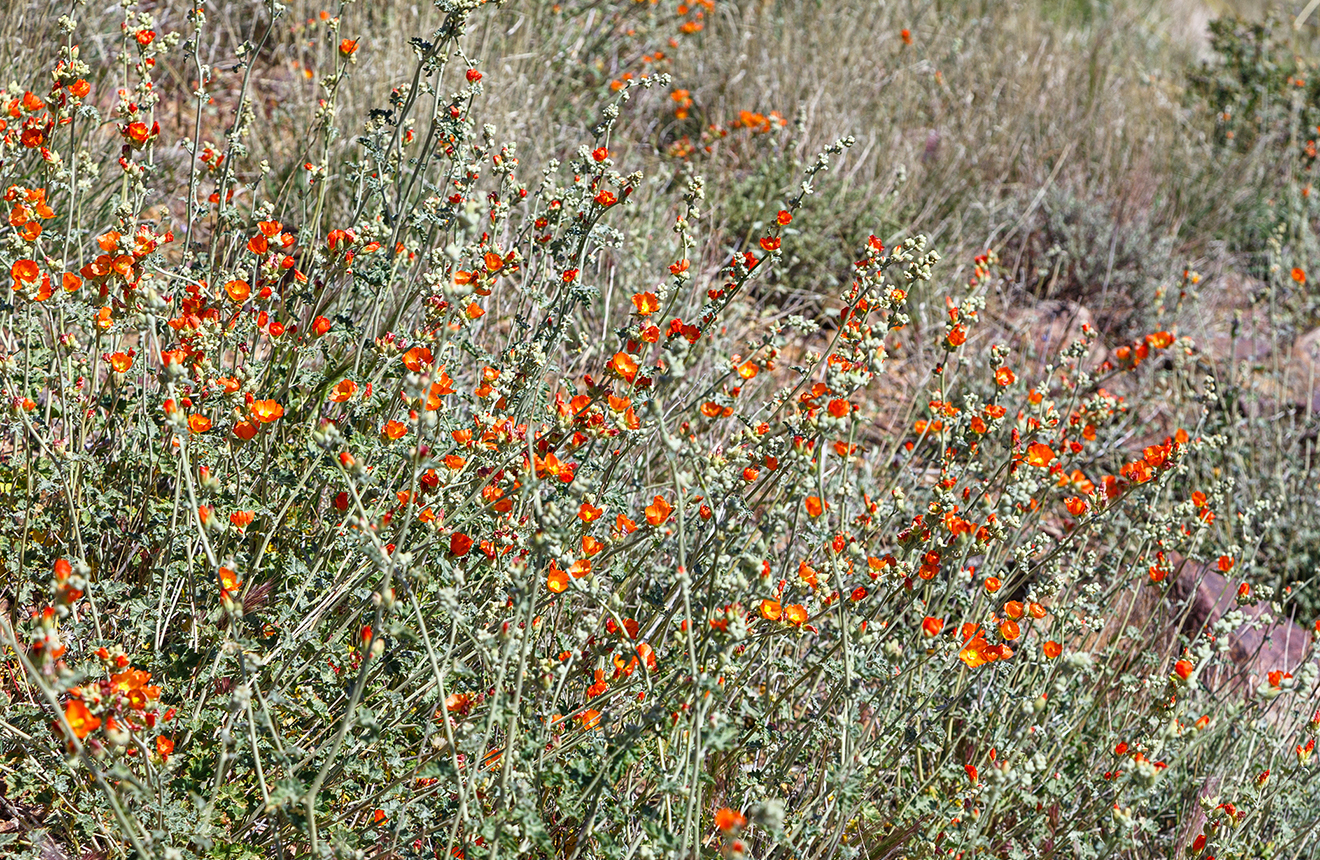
pixel 238 291
pixel 589 513
pixel 24 270
pixel 241 519
pixel 1039 455
pixel 556 580
pixel 1010 630
pixel 1052 649
pixel 121 362
pixel 783 217
pixel 228 580
pixel 796 614
pixel 729 819
pixel 931 626
pixel 414 358
pixel 975 653
pixel 646 303
pixel 459 544
pixel 1004 376
pixel 394 430
pixel 771 610
pixel 658 511
pixel 1184 669
pixel 266 411
pixel 164 746
pixel 814 506
pixel 1075 506
pixel 1299 276
pixel 748 370
pixel 199 423
pixel 624 365
pixel 343 391
pixel 245 430
pixel 906 36
pixel 347 47
pixel 320 326
pixel 992 584
pixel 80 718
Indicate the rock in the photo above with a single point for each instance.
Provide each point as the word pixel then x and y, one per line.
pixel 1051 325
pixel 1305 371
pixel 1200 596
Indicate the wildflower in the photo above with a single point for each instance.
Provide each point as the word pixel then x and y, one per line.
pixel 266 411
pixel 1052 649
pixel 1004 376
pixel 164 746
pixel 238 291
pixel 976 652
pixel 199 423
pixel 80 719
pixel 814 506
pixel 347 47
pixel 1183 669
pixel 906 36
pixel 771 610
pixel 228 580
pixel 646 303
pixel 320 326
pixel 658 511
pixel 556 579
pixel 1039 455
pixel 343 391
pixel 589 513
pixel 1299 275
pixel 931 626
pixel 473 76
pixel 624 365
pixel 459 544
pixel 728 819
pixel 783 217
pixel 796 614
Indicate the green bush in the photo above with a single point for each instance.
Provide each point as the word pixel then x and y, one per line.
pixel 402 499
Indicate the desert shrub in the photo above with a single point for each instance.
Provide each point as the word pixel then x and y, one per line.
pixel 1266 105
pixel 1113 262
pixel 406 500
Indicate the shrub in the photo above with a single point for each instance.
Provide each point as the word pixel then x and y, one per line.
pixel 423 504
